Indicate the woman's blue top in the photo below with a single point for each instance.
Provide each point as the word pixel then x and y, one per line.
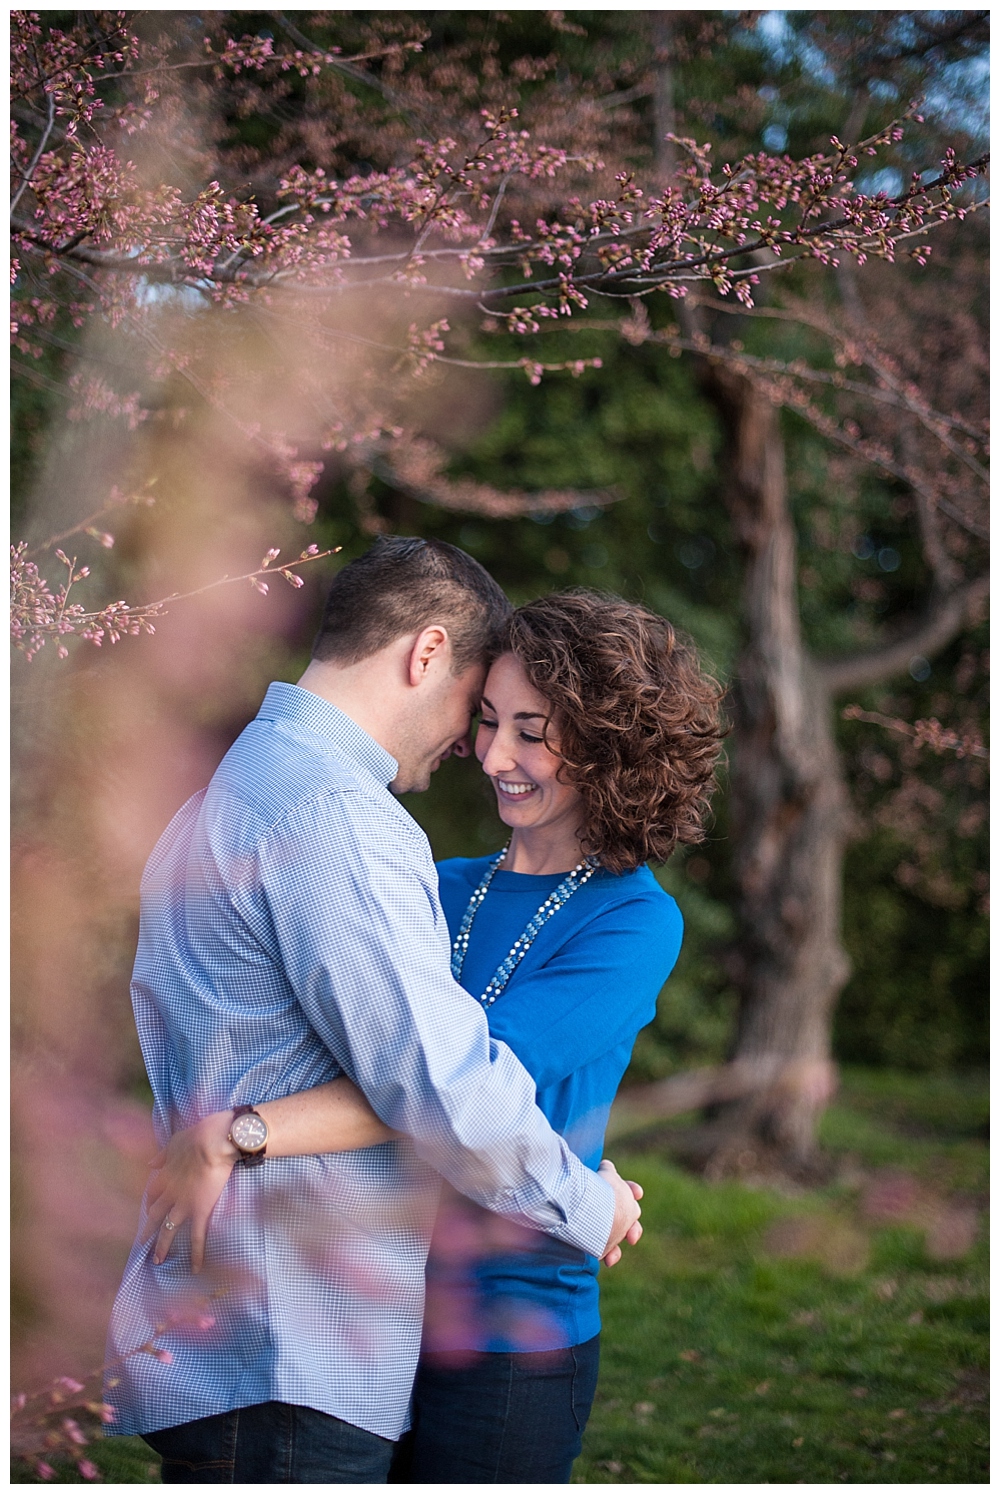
pixel 571 1012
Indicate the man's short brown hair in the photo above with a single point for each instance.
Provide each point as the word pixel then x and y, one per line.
pixel 402 585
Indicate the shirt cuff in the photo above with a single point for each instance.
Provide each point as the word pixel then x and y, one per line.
pixel 589 1219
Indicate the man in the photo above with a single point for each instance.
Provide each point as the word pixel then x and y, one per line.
pixel 291 931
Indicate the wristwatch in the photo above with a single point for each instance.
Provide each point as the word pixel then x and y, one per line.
pixel 248 1134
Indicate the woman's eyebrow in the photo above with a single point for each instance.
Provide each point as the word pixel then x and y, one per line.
pixel 518 715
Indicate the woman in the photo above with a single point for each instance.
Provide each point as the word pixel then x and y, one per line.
pixel 599 734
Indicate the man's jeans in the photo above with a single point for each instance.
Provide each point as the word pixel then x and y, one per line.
pixel 273 1443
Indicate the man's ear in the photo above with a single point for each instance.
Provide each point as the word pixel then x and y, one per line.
pixel 431 646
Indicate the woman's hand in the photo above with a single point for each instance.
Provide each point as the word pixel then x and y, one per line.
pixel 191 1172
pixel 627 1212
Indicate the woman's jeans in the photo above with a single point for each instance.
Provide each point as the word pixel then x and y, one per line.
pixel 272 1443
pixel 498 1418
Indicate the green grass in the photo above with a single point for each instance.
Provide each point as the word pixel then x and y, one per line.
pixel 777 1336
pixel 762 1337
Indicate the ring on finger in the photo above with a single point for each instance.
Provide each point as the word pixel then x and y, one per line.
pixel 169 1224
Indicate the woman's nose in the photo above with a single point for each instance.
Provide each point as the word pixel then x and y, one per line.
pixel 498 756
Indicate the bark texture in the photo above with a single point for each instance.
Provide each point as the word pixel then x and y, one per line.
pixel 790 816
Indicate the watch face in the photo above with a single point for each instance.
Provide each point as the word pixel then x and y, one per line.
pixel 249 1133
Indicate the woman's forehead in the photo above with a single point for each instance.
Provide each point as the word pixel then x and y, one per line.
pixel 508 681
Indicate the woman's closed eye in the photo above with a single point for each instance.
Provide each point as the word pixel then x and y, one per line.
pixel 486 724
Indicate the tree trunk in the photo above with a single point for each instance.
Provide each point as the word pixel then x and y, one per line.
pixel 789 819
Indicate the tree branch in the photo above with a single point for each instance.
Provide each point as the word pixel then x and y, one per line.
pixel 26 182
pixel 636 1109
pixel 944 619
pixel 943 566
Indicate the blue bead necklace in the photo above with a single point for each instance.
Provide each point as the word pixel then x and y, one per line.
pixel 555 900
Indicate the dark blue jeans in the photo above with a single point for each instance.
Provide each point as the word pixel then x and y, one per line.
pixel 272 1443
pixel 498 1418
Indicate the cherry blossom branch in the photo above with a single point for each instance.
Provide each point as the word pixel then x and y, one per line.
pixel 904 395
pixel 416 467
pixel 500 252
pixel 38 614
pixel 682 235
pixel 285 59
pixel 34 1414
pixel 856 351
pixel 928 733
pixel 894 396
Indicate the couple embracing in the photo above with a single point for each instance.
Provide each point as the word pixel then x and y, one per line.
pixel 369 1250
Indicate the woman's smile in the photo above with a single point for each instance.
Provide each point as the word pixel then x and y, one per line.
pixel 511 790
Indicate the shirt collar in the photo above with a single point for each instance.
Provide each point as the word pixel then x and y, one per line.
pixel 291 703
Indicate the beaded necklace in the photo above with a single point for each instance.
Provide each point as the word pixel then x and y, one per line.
pixel 580 874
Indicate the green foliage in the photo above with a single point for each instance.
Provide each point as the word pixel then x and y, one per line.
pixel 915 913
pixel 37 398
pixel 918 997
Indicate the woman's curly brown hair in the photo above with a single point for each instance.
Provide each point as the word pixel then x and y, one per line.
pixel 638 722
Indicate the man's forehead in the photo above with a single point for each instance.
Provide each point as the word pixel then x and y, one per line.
pixel 474 679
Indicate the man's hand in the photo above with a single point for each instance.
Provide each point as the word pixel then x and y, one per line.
pixel 625 1225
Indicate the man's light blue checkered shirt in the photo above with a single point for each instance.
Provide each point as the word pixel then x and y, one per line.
pixel 291 931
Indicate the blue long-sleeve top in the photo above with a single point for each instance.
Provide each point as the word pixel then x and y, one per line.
pixel 571 1013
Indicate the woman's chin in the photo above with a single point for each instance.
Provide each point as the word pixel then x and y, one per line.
pixel 513 815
